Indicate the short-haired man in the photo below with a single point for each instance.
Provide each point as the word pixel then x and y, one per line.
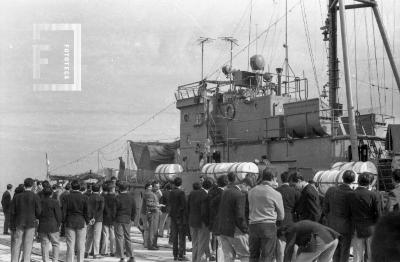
pixel 365 210
pixel 198 222
pixel 178 214
pixel 125 215
pixel 315 242
pixel 214 198
pixel 25 209
pixel 157 216
pixel 337 209
pixel 265 209
pixel 49 223
pixel 394 194
pixel 232 222
pixel 75 217
pixel 108 235
pixel 308 206
pixel 150 213
pixel 95 207
pixel 5 203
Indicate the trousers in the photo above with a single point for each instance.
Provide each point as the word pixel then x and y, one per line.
pixel 342 252
pixel 22 236
pixel 75 237
pixel 93 237
pixel 150 226
pixel 46 239
pixel 178 238
pixel 6 221
pixel 108 235
pixel 237 246
pixel 323 253
pixel 200 243
pixel 262 242
pixel 123 240
pixel 362 249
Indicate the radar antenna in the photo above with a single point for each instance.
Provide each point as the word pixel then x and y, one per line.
pixel 232 41
pixel 201 41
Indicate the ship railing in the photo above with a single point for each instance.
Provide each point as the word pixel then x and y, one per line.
pixel 297 88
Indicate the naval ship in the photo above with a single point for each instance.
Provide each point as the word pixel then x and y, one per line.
pixel 259 116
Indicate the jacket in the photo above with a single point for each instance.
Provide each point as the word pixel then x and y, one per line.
pixel 196 208
pixel 50 218
pixel 75 210
pixel 337 208
pixel 177 206
pixel 309 206
pixel 110 209
pixel 125 209
pixel 149 203
pixel 213 199
pixel 96 207
pixel 231 212
pixel 25 209
pixel 290 197
pixel 6 201
pixel 365 209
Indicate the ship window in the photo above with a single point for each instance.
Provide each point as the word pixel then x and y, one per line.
pixel 186 117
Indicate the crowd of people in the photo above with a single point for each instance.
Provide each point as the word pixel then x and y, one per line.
pixel 227 219
pixel 95 220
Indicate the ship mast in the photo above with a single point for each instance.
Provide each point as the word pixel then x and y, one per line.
pixel 286 51
pixel 333 61
pixel 350 107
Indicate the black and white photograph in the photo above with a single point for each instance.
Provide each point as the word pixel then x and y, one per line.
pixel 200 130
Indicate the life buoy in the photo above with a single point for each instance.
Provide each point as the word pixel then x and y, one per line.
pixel 230 111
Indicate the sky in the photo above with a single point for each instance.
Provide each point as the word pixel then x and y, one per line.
pixel 136 53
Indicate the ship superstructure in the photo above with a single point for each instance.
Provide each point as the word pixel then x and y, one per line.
pixel 257 114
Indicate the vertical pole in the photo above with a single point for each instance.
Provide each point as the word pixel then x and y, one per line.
pixel 227 139
pixel 286 51
pixel 333 60
pixel 386 44
pixel 127 163
pixel 350 107
pixel 256 38
pixel 98 161
pixel 248 47
pixel 202 60
pixel 230 74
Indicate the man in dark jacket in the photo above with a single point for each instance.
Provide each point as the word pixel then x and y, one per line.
pixel 25 209
pixel 110 208
pixel 365 209
pixel 76 217
pixel 308 206
pixel 5 203
pixel 49 223
pixel 95 207
pixel 67 188
pixel 214 198
pixel 337 209
pixel 315 241
pixel 198 222
pixel 232 224
pixel 125 214
pixel 178 214
pixel 150 216
pixel 290 197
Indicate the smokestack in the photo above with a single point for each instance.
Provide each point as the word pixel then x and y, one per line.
pixel 279 88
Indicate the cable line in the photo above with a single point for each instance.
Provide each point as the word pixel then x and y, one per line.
pixel 114 140
pixel 376 64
